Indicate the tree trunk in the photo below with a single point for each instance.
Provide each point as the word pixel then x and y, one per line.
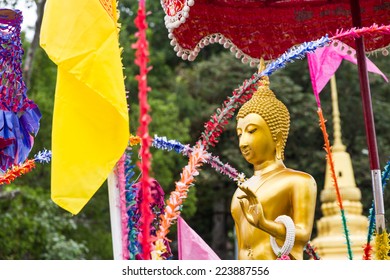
pixel 219 227
pixel 28 65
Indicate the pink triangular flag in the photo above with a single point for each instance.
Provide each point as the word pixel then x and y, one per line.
pixel 191 245
pixel 324 62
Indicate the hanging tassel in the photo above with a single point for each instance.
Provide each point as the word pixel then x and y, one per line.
pixel 20 169
pixel 367 247
pixel 382 247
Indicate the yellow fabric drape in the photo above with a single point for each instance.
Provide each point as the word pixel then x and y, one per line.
pixel 90 119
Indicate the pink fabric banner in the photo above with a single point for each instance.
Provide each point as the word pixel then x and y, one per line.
pixel 191 245
pixel 324 62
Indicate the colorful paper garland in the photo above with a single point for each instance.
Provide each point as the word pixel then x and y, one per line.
pixel 121 175
pixel 330 161
pixel 20 169
pixel 142 58
pixel 174 204
pixel 311 251
pixel 224 168
pixel 359 32
pixel 133 245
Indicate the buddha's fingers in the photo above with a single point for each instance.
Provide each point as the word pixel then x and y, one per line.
pixel 249 195
pixel 248 216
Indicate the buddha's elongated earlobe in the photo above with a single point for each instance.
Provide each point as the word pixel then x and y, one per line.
pixel 279 145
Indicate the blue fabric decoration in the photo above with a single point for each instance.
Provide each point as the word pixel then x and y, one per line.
pixel 19 116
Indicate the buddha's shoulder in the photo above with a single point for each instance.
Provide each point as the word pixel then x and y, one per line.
pixel 299 176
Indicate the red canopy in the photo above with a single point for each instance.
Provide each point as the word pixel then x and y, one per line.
pixel 265 28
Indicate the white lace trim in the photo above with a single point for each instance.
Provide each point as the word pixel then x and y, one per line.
pixel 351 51
pixel 344 47
pixel 385 52
pixel 172 22
pixel 190 55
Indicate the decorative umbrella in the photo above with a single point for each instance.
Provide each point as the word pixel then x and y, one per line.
pixel 255 29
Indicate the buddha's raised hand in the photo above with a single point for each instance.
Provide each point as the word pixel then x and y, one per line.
pixel 251 207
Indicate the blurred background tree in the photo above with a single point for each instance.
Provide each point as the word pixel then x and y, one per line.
pixel 183 97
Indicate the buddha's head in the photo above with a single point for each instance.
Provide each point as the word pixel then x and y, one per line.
pixel 263 123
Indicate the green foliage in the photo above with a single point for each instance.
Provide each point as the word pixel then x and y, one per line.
pixel 94 227
pixel 32 227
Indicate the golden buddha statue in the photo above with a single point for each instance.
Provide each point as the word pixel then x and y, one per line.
pixel 274 192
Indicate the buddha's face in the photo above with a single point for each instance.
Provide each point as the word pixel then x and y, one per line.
pixel 255 139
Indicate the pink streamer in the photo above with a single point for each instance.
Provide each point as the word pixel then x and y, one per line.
pixel 123 208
